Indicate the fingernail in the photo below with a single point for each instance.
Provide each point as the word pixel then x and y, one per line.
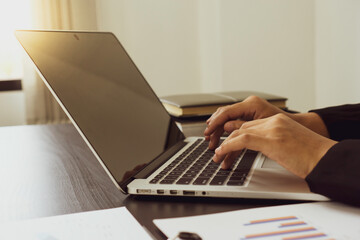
pixel 218 150
pixel 223 165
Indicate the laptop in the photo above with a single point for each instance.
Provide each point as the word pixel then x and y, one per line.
pixel 131 134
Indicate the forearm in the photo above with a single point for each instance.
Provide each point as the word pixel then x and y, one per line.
pixel 312 121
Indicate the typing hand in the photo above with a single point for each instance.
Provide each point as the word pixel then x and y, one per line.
pixel 230 118
pixel 282 139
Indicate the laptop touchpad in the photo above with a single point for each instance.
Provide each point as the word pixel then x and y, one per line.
pixel 268 163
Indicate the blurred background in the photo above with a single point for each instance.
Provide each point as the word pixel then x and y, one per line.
pixel 305 50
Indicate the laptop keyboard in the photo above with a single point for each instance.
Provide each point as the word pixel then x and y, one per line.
pixel 195 166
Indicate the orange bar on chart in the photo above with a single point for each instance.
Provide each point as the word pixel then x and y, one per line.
pixel 292 224
pixel 305 236
pixel 268 234
pixel 272 220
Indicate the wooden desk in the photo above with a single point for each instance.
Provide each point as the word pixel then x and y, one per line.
pixel 48 170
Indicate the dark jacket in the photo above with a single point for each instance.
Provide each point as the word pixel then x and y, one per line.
pixel 337 175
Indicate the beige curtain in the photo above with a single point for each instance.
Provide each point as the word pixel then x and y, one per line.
pixel 41 107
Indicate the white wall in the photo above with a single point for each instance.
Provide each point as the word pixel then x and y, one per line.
pixel 268 46
pixel 160 36
pixel 337 52
pixel 213 45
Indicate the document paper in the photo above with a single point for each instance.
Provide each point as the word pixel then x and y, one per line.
pixel 117 223
pixel 323 221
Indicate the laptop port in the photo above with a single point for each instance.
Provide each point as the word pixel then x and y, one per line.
pixel 160 191
pixel 189 193
pixel 173 192
pixel 143 191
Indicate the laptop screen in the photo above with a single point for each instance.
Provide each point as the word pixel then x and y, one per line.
pixel 106 96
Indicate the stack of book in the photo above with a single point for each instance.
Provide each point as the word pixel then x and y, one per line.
pixel 205 104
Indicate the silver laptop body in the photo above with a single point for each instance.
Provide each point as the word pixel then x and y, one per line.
pixel 131 134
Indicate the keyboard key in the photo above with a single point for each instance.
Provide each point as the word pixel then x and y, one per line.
pixel 218 180
pixel 247 160
pixel 154 180
pixel 212 167
pixel 201 181
pixel 167 181
pixel 192 171
pixel 189 175
pixel 235 183
pixel 221 173
pixel 171 177
pixel 201 162
pixel 198 164
pixel 188 160
pixel 197 169
pixel 184 181
pixel 167 169
pixel 206 175
pixel 239 174
pixel 209 170
pixel 175 173
pixel 237 179
pixel 186 164
pixel 159 176
pixel 180 168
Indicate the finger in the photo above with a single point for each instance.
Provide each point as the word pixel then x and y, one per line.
pixel 216 123
pixel 224 114
pixel 252 141
pixel 216 113
pixel 215 138
pixel 229 159
pixel 210 128
pixel 208 120
pixel 213 115
pixel 218 158
pixel 230 126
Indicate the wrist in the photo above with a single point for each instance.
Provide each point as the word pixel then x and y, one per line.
pixel 324 147
pixel 302 118
pixel 312 121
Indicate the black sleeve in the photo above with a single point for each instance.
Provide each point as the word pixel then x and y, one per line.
pixel 337 175
pixel 342 122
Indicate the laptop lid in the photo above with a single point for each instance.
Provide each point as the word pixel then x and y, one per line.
pixel 106 97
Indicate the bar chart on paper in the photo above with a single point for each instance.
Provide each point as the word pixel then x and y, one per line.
pixel 284 228
pixel 307 221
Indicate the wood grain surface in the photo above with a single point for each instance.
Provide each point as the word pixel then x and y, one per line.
pixel 48 170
